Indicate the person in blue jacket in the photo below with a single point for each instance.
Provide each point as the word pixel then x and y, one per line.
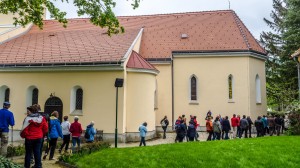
pixel 6 120
pixel 91 131
pixel 54 132
pixel 143 132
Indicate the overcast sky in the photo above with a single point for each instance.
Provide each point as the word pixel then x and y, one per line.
pixel 251 12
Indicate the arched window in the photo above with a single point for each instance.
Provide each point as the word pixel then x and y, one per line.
pixel 230 87
pixel 7 94
pixel 258 89
pixel 35 96
pixel 79 96
pixel 193 88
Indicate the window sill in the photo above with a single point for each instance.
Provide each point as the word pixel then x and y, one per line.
pixel 231 101
pixel 258 103
pixel 76 113
pixel 194 102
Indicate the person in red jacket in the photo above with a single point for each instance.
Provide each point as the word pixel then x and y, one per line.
pixel 234 124
pixel 33 129
pixel 76 131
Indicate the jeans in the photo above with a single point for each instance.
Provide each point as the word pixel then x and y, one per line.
pixel 66 142
pixel 33 145
pixel 52 146
pixel 4 142
pixel 246 132
pixel 210 133
pixel 217 135
pixel 226 135
pixel 165 129
pixel 143 141
pixel 74 141
pixel 249 129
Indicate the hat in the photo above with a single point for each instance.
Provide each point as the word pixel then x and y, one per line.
pixel 6 103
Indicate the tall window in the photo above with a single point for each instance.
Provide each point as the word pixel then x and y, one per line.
pixel 193 88
pixel 258 89
pixel 79 96
pixel 35 96
pixel 230 86
pixel 6 95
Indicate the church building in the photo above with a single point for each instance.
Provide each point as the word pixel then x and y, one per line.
pixel 171 64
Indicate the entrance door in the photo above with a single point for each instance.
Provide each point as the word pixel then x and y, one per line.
pixel 54 104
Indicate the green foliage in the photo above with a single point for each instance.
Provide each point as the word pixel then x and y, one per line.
pixel 99 11
pixel 246 153
pixel 281 42
pixel 294 117
pixel 85 150
pixel 5 163
pixel 15 150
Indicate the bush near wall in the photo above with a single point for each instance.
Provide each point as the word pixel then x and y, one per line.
pixel 86 149
pixel 6 163
pixel 294 123
pixel 15 150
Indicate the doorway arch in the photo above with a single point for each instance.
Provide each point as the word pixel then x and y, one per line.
pixel 54 103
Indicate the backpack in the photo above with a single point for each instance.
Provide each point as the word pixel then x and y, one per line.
pixel 163 123
pixel 87 133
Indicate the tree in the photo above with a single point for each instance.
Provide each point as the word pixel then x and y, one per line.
pixel 281 42
pixel 99 11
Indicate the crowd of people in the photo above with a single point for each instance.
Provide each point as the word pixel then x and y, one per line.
pixel 223 128
pixel 38 126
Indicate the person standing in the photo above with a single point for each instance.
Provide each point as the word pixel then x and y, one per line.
pixel 259 125
pixel 91 132
pixel 265 123
pixel 66 133
pixel 271 125
pixel 33 130
pixel 196 126
pixel 217 128
pixel 234 124
pixel 244 127
pixel 54 132
pixel 76 131
pixel 164 124
pixel 250 126
pixel 191 131
pixel 277 124
pixel 226 127
pixel 209 128
pixel 143 132
pixel 239 130
pixel 6 120
pixel 181 131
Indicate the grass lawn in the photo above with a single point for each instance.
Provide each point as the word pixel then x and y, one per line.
pixel 273 152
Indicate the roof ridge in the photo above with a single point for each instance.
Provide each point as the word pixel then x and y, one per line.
pixel 178 13
pixel 237 21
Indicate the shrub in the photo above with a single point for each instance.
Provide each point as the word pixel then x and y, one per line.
pixel 5 163
pixel 87 149
pixel 15 150
pixel 294 123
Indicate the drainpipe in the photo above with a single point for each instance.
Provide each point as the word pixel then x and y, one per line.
pixel 172 71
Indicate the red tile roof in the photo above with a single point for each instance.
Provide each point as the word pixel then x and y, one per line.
pixel 206 31
pixel 137 61
pixel 80 42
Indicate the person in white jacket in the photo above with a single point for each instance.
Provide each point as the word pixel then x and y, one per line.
pixel 66 133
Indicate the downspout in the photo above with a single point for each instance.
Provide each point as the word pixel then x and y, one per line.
pixel 172 76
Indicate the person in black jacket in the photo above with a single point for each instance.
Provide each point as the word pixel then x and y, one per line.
pixel 259 126
pixel 250 126
pixel 226 127
pixel 181 131
pixel 278 124
pixel 164 124
pixel 191 132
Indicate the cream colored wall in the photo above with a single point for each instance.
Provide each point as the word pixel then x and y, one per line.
pixel 99 94
pixel 14 33
pixel 6 19
pixel 212 74
pixel 257 66
pixel 164 92
pixel 140 101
